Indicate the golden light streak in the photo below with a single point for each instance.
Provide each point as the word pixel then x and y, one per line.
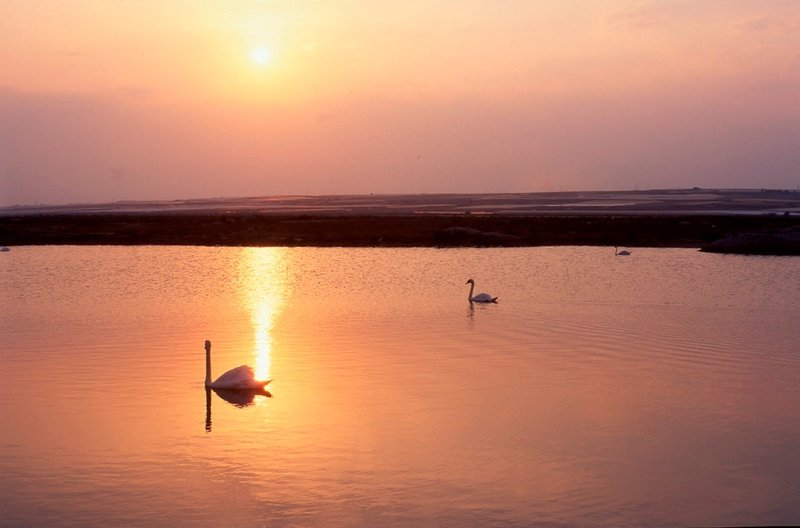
pixel 266 288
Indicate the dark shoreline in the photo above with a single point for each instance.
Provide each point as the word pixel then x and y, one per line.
pixel 395 230
pixel 724 220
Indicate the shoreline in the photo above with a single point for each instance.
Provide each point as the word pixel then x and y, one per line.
pixel 396 230
pixel 763 222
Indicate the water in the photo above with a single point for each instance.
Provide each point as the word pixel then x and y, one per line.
pixel 655 389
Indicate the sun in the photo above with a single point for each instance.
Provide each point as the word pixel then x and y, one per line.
pixel 261 56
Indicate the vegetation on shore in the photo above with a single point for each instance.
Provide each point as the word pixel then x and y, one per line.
pixel 248 229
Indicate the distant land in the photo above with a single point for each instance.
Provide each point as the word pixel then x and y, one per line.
pixel 667 201
pixel 728 220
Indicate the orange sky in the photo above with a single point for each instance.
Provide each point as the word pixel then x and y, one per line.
pixel 148 99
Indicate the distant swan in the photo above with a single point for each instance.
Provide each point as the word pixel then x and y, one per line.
pixel 240 378
pixel 621 253
pixel 481 297
pixel 4 249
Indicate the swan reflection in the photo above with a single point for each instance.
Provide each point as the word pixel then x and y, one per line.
pixel 241 398
pixel 238 398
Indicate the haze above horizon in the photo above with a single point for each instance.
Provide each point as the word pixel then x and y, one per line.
pixel 117 100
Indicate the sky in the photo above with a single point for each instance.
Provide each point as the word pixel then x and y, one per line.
pixel 106 100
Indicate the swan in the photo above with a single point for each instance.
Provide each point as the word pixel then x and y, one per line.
pixel 621 253
pixel 239 378
pixel 481 297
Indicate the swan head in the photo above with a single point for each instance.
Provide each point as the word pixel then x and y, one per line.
pixel 208 345
pixel 470 281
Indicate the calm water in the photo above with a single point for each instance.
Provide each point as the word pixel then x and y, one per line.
pixel 660 388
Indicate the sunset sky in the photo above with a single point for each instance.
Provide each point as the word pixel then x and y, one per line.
pixel 159 99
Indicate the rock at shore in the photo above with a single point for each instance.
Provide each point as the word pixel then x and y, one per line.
pixel 777 243
pixel 467 236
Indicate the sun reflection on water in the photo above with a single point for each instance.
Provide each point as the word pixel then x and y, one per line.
pixel 266 288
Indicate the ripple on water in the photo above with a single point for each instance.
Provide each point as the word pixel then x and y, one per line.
pixel 658 390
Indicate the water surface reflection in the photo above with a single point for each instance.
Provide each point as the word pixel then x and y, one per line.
pixel 264 289
pixel 656 389
pixel 261 291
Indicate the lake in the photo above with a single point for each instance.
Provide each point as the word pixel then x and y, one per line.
pixel 659 388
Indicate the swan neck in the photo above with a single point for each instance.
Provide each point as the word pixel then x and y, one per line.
pixel 208 363
pixel 471 289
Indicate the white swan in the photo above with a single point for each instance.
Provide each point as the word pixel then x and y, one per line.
pixel 621 253
pixel 481 297
pixel 239 378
